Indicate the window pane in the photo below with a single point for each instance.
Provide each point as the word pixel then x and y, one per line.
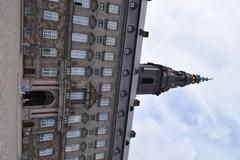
pixel 73 158
pixel 50 34
pixel 50 15
pixel 79 37
pixel 107 72
pixel 77 96
pixel 108 56
pixel 74 119
pixel 113 9
pixel 73 134
pixel 49 52
pixel 111 25
pixel 82 3
pixel 104 102
pixel 81 20
pixel 103 116
pixel 99 155
pixel 78 71
pixel 72 147
pixel 46 137
pixel 50 72
pixel 45 152
pixel 110 41
pixel 106 87
pixel 49 122
pixel 79 54
pixel 102 130
pixel 100 143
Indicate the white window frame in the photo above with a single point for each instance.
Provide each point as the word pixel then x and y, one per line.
pixel 49 72
pixel 102 130
pixel 73 134
pixel 45 137
pixel 104 102
pixel 49 52
pixel 48 122
pixel 85 3
pixel 72 148
pixel 81 20
pixel 113 8
pixel 103 116
pixel 106 87
pixel 50 15
pixel 75 119
pixel 50 34
pixel 45 152
pixel 107 72
pixel 110 41
pixel 100 143
pixel 77 95
pixel 80 54
pixel 112 25
pixel 99 155
pixel 78 71
pixel 80 37
pixel 108 56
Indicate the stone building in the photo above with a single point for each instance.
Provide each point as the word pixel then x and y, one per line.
pixel 81 76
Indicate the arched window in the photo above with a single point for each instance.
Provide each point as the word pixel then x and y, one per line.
pixel 34 98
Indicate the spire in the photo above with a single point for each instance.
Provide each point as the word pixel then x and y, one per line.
pixel 156 79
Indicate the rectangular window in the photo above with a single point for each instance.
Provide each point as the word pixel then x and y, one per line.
pixel 45 152
pixel 50 15
pixel 53 0
pixel 107 72
pixel 74 119
pixel 48 122
pixel 112 8
pixel 49 72
pixel 77 96
pixel 73 134
pixel 79 37
pixel 102 6
pixel 72 147
pixel 112 25
pixel 78 71
pixel 27 31
pixel 50 34
pixel 104 102
pixel 106 87
pixel 79 54
pixel 109 56
pixel 102 130
pixel 27 11
pixel 103 116
pixel 73 158
pixel 46 137
pixel 82 3
pixel 99 155
pixel 100 143
pixel 110 41
pixel 80 20
pixel 49 52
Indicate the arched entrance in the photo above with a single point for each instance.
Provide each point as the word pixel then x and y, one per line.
pixel 34 98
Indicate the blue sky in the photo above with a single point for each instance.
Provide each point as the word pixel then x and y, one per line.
pixel 198 122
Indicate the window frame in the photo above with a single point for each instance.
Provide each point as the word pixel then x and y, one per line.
pixel 78 71
pixel 45 152
pixel 81 20
pixel 50 34
pixel 49 72
pixel 50 15
pixel 73 134
pixel 46 137
pixel 80 37
pixel 106 87
pixel 72 147
pixel 104 102
pixel 52 52
pixel 47 122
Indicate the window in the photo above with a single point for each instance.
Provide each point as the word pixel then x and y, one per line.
pixel 79 37
pixel 80 20
pixel 27 11
pixel 73 158
pixel 82 3
pixel 46 137
pixel 45 152
pixel 78 71
pixel 103 116
pixel 102 130
pixel 98 55
pixel 106 87
pixel 100 23
pixel 112 25
pixel 133 5
pixel 49 52
pixel 53 0
pixel 102 6
pixel 99 39
pixel 100 143
pixel 27 31
pixel 74 119
pixel 73 134
pixel 109 56
pixel 104 102
pixel 50 15
pixel 79 54
pixel 77 96
pixel 72 147
pixel 113 9
pixel 107 72
pixel 110 41
pixel 50 34
pixel 99 155
pixel 49 72
pixel 49 122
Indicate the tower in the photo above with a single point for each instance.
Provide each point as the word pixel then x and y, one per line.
pixel 156 79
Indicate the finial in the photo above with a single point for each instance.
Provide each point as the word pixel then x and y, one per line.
pixel 198 79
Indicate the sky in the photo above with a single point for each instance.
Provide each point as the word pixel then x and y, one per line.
pixel 201 121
